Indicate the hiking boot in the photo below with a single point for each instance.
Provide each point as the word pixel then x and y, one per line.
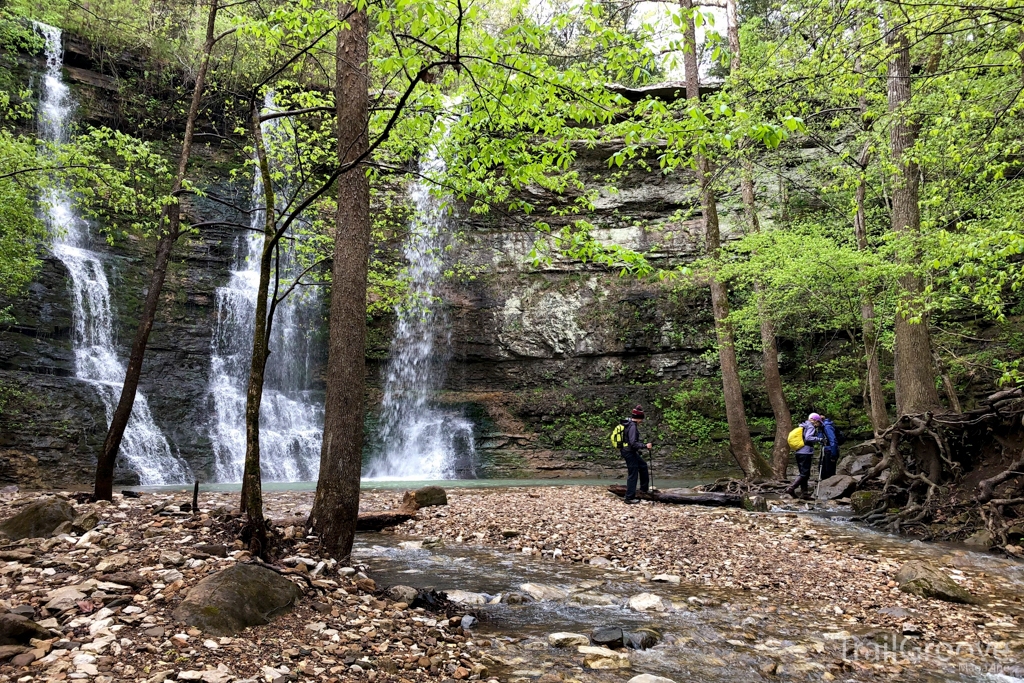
pixel 630 501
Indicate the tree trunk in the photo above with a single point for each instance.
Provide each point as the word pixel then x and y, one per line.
pixel 336 506
pixel 170 223
pixel 876 394
pixel 252 484
pixel 769 346
pixel 740 443
pixel 914 373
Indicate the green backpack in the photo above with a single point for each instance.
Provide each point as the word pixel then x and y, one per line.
pixel 618 436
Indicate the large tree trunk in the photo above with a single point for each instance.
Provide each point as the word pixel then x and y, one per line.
pixel 170 223
pixel 876 394
pixel 914 373
pixel 252 482
pixel 740 443
pixel 337 492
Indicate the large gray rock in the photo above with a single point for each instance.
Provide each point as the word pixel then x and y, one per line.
pixel 607 636
pixel 242 595
pixel 926 581
pixel 836 487
pixel 38 519
pixel 857 464
pixel 16 629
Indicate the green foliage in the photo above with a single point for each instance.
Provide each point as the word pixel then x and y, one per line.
pixel 21 232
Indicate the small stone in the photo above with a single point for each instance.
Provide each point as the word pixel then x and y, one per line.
pixel 603 658
pixel 170 557
pixel 405 594
pixel 666 578
pixel 464 597
pixel 542 592
pixel 563 639
pixel 509 533
pixel 646 602
pixel 468 621
pixel 649 678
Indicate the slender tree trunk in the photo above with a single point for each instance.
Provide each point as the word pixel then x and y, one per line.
pixel 769 346
pixel 914 372
pixel 876 394
pixel 336 506
pixel 170 223
pixel 947 383
pixel 252 484
pixel 742 446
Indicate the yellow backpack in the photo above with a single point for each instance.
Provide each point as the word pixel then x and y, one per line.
pixel 618 436
pixel 796 439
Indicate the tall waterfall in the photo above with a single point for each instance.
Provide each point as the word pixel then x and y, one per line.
pixel 419 439
pixel 144 448
pixel 292 414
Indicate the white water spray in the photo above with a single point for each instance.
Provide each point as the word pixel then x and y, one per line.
pixel 144 447
pixel 291 415
pixel 419 439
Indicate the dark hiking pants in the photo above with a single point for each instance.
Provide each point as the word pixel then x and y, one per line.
pixel 635 466
pixel 803 463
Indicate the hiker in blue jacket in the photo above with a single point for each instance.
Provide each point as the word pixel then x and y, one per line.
pixel 635 465
pixel 830 448
pixel 805 455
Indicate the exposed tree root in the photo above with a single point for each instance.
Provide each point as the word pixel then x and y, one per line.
pixel 923 460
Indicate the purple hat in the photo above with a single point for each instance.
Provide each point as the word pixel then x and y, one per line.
pixel 814 417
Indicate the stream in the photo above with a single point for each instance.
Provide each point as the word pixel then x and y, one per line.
pixel 713 635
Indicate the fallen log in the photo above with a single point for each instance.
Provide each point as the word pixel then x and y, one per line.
pixel 381 519
pixel 675 498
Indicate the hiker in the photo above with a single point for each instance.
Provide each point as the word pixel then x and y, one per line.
pixel 832 437
pixel 635 465
pixel 805 454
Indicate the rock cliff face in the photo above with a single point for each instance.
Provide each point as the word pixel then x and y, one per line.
pixel 545 358
pixel 556 353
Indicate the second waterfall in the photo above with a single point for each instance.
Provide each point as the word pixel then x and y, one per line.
pixel 291 417
pixel 420 439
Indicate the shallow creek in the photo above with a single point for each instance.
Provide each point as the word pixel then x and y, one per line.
pixel 726 636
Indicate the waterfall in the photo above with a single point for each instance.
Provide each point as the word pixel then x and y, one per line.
pixel 419 439
pixel 144 447
pixel 291 416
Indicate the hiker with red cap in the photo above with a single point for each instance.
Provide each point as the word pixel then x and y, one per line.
pixel 635 465
pixel 805 454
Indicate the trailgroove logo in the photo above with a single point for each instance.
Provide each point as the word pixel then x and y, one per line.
pixel 993 657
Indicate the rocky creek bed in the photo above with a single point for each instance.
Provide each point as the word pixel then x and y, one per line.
pixel 556 581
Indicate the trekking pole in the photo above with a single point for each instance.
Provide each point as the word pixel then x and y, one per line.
pixel 821 462
pixel 653 488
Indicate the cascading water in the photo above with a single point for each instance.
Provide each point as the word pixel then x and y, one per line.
pixel 144 448
pixel 291 417
pixel 419 439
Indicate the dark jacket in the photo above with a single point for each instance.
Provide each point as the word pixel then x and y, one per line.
pixel 811 437
pixel 831 439
pixel 633 443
